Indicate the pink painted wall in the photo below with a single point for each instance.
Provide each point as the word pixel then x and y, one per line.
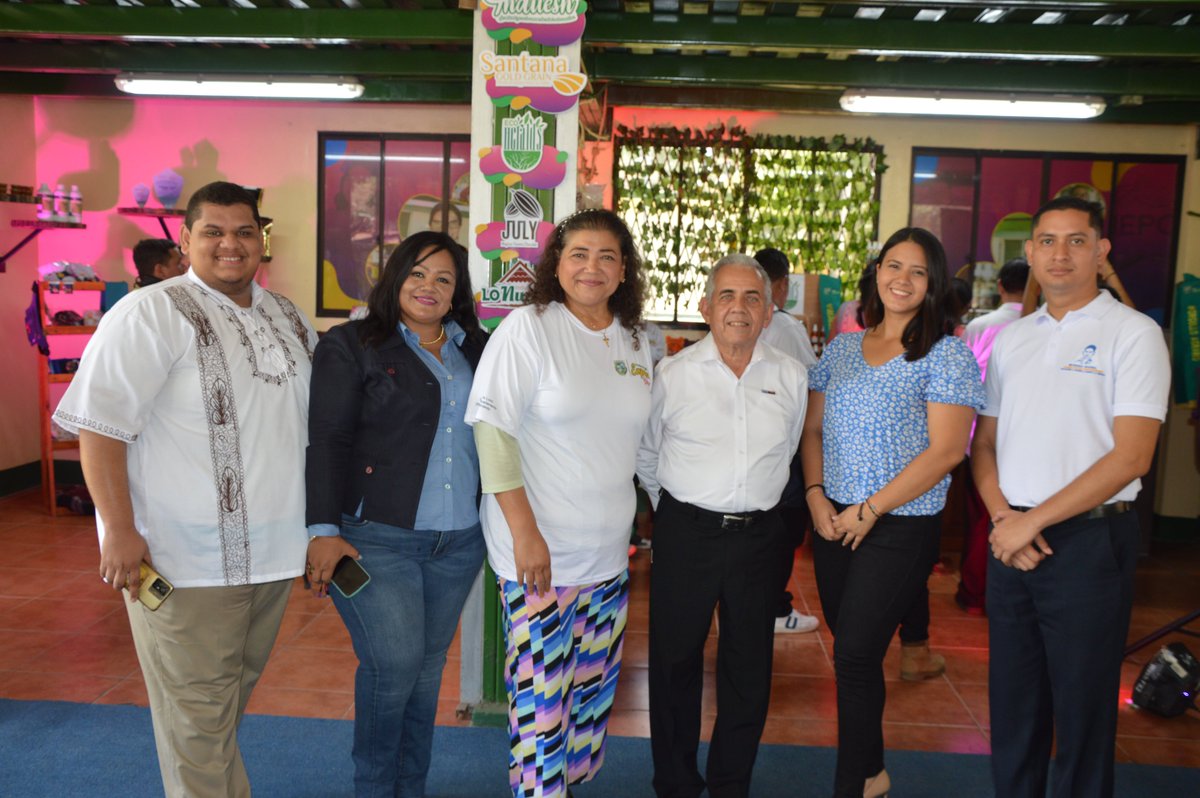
pixel 18 400
pixel 105 146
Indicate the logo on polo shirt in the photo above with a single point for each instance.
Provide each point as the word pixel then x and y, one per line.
pixel 620 367
pixel 1085 363
pixel 638 370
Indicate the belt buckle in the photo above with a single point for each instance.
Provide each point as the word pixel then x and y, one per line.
pixel 735 522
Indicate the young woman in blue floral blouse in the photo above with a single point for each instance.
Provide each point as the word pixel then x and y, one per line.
pixel 889 412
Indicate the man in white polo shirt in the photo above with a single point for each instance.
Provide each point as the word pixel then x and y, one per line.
pixel 1076 393
pixel 725 420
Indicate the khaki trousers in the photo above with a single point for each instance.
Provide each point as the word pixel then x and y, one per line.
pixel 201 654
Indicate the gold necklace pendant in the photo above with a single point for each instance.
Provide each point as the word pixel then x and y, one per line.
pixel 440 337
pixel 604 335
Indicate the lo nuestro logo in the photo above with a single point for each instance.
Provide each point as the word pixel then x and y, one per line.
pixel 509 290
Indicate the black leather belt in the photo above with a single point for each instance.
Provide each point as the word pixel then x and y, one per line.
pixel 732 521
pixel 1103 511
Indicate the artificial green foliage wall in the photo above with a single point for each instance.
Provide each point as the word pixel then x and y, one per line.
pixel 693 196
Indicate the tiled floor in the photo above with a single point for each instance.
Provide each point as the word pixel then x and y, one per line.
pixel 66 637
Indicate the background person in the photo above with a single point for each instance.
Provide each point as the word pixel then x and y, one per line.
pixel 888 418
pixel 191 403
pixel 787 334
pixel 446 213
pixel 725 423
pixel 1076 394
pixel 559 404
pixel 980 336
pixel 393 479
pixel 157 259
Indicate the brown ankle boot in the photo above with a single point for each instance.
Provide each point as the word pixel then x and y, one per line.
pixel 918 664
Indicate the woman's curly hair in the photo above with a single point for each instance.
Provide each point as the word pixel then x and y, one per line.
pixel 626 302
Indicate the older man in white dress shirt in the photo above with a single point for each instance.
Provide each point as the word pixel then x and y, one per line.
pixel 191 403
pixel 725 420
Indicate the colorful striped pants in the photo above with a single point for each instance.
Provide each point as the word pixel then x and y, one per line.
pixel 564 656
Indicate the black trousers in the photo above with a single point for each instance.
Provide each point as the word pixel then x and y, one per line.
pixel 864 594
pixel 796 521
pixel 1056 636
pixel 697 567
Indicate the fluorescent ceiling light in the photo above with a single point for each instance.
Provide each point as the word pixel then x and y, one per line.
pixel 1025 106
pixel 408 158
pixel 292 88
pixel 254 40
pixel 990 56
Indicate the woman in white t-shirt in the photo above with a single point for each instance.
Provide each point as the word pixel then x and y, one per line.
pixel 559 402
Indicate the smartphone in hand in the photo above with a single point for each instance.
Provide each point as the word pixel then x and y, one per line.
pixel 349 577
pixel 153 590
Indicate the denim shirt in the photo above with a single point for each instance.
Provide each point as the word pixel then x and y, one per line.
pixel 452 474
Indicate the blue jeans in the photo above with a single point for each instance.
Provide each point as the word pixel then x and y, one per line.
pixel 401 624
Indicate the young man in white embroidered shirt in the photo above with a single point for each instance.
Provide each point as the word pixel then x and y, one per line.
pixel 725 420
pixel 1076 393
pixel 191 403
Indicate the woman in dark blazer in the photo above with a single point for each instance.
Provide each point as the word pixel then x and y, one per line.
pixel 393 480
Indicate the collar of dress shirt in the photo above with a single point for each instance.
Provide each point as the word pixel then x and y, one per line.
pixel 256 291
pixel 707 350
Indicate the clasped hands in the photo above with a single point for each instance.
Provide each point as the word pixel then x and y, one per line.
pixel 849 526
pixel 1017 541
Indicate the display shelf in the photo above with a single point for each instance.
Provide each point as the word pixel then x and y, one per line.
pixel 38 226
pixel 47 396
pixel 47 224
pixel 158 213
pixel 79 285
pixel 20 199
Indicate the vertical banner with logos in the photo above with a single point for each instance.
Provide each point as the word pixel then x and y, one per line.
pixel 524 131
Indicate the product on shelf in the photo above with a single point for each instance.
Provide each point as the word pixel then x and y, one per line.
pixel 75 206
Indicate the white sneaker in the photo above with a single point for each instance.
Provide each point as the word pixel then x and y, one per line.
pixel 796 622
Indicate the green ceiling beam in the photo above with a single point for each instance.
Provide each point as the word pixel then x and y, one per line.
pixel 113 58
pixel 772 33
pixel 623 29
pixel 783 73
pixel 413 90
pixel 104 22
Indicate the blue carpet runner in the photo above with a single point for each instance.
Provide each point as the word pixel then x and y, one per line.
pixel 50 748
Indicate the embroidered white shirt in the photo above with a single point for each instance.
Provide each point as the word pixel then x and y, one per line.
pixel 212 399
pixel 1056 386
pixel 720 442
